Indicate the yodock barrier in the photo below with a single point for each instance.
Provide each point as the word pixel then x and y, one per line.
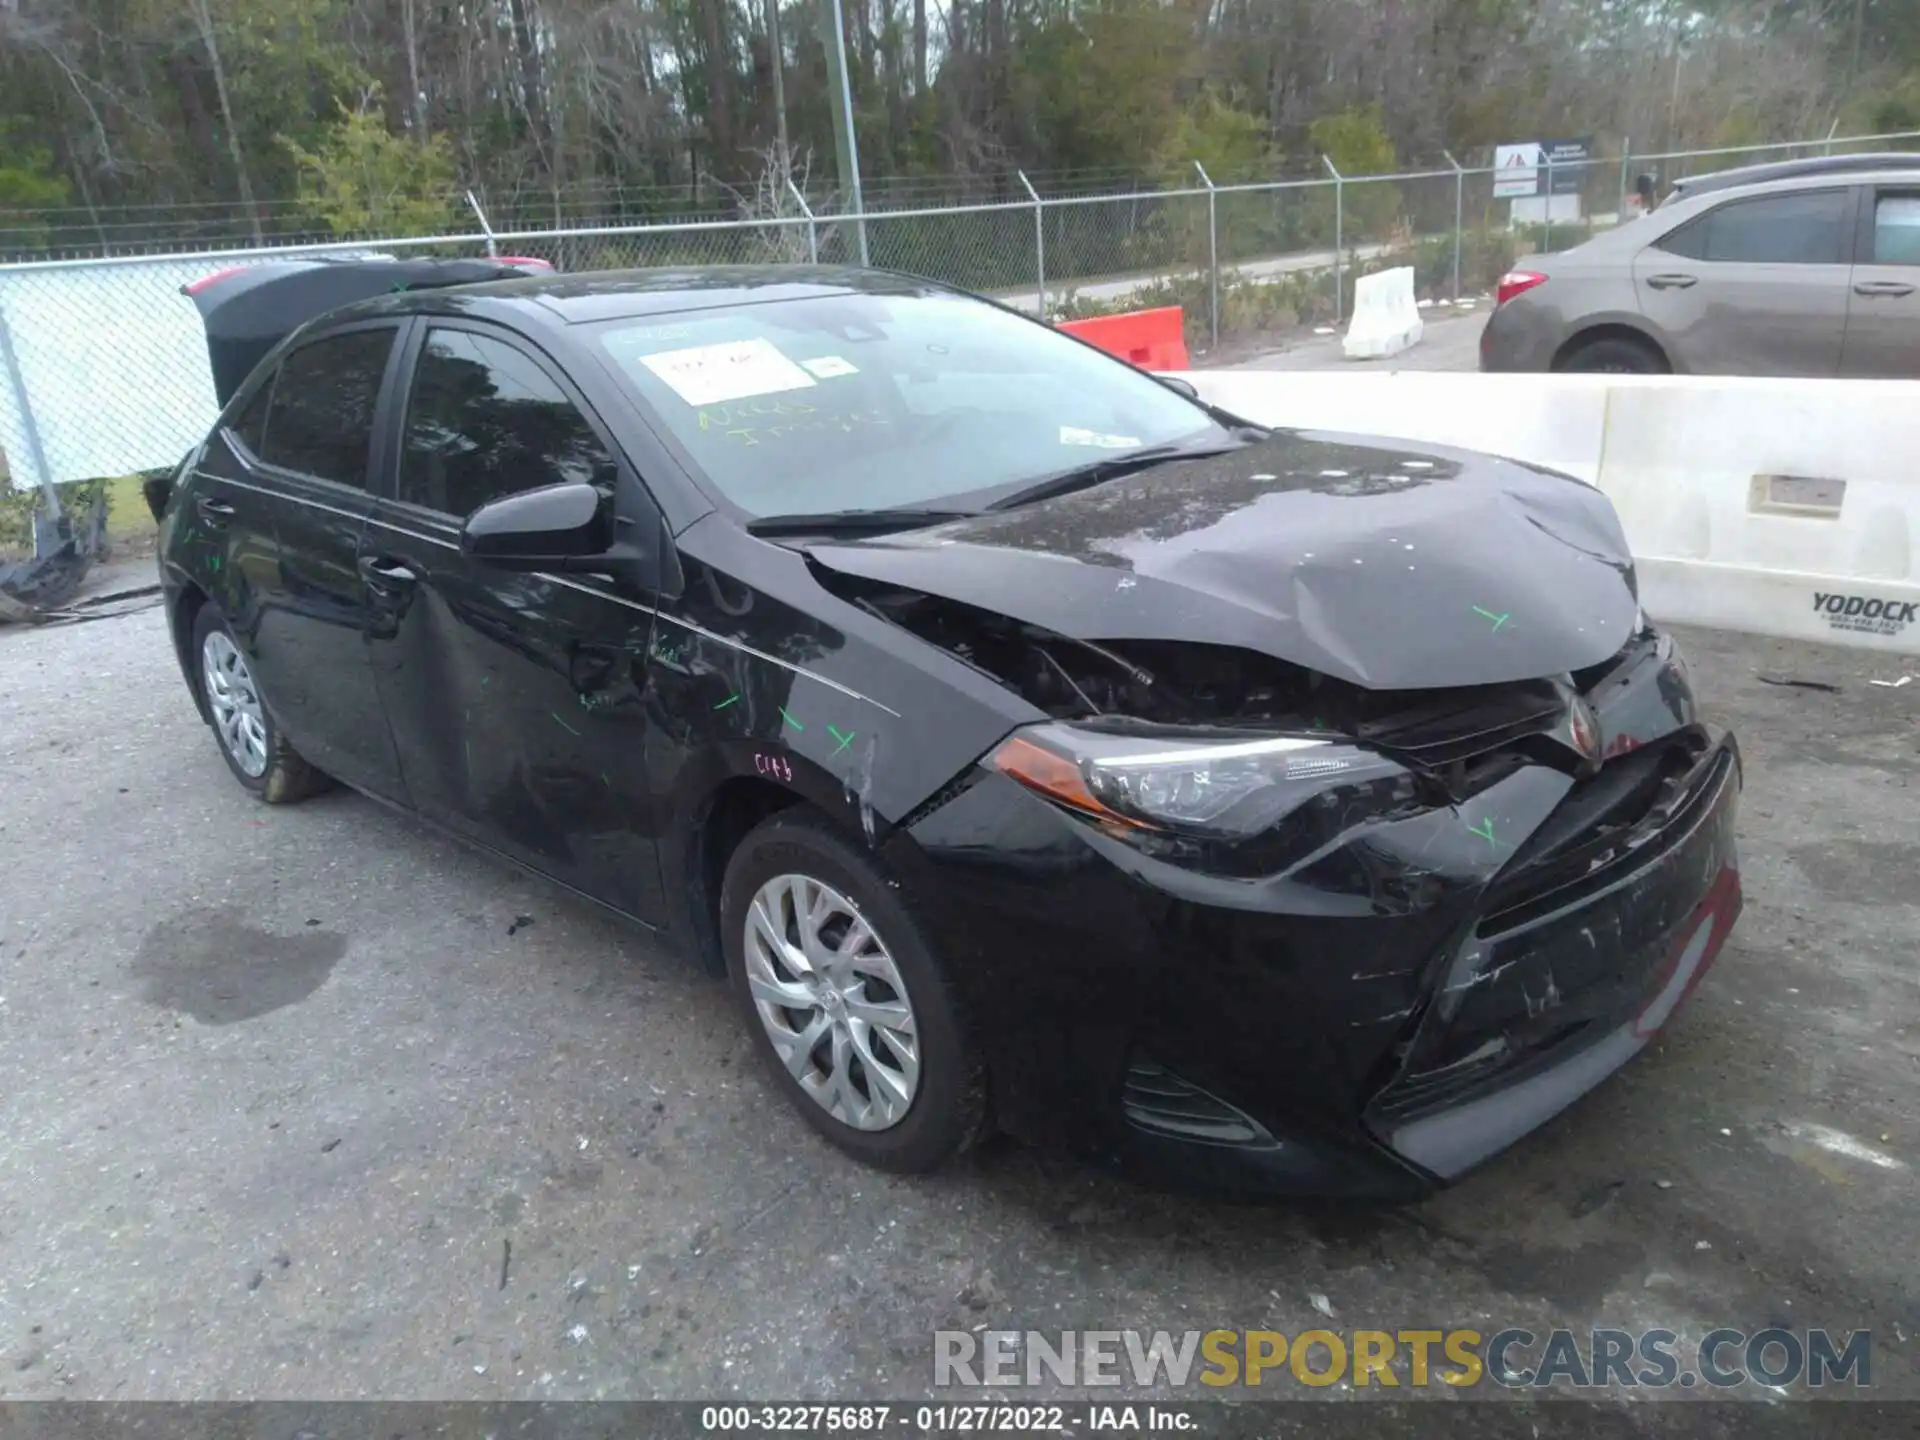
pixel 1780 507
pixel 1385 320
pixel 1151 339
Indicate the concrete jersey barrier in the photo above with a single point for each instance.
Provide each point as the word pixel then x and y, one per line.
pixel 1778 507
pixel 1386 321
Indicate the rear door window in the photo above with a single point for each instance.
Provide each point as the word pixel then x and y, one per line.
pixel 485 421
pixel 1807 227
pixel 321 422
pixel 1896 229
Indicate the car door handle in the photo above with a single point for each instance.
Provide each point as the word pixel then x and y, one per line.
pixel 384 576
pixel 1669 282
pixel 215 512
pixel 1883 287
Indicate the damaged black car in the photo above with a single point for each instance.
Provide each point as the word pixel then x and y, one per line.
pixel 1033 746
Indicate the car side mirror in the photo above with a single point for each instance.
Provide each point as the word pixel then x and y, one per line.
pixel 552 528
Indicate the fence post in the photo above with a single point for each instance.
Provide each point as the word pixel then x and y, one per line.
pixel 813 231
pixel 1459 218
pixel 493 250
pixel 1339 237
pixel 1546 232
pixel 36 452
pixel 1626 162
pixel 1213 256
pixel 1039 244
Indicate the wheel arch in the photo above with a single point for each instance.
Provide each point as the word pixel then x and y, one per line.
pixel 1621 330
pixel 181 619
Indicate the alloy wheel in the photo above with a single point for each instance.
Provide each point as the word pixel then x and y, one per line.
pixel 832 1001
pixel 238 716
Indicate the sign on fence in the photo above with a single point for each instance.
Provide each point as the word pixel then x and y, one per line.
pixel 1519 170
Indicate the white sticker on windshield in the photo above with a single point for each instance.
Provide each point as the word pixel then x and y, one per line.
pixel 825 367
pixel 735 370
pixel 1074 435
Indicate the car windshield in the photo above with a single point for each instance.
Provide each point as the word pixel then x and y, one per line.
pixel 867 402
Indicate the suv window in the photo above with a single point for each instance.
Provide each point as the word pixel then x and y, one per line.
pixel 1806 227
pixel 1896 230
pixel 485 421
pixel 251 423
pixel 322 418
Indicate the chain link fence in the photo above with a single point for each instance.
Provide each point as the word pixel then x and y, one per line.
pixel 103 367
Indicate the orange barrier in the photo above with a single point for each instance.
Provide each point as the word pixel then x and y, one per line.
pixel 1151 339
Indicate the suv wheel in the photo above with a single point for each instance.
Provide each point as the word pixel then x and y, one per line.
pixel 847 1003
pixel 250 743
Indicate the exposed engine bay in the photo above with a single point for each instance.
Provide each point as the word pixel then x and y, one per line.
pixel 1466 738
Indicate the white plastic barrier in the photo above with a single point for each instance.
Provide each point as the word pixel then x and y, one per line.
pixel 1385 319
pixel 1779 507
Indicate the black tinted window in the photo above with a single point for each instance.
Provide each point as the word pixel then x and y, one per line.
pixel 251 423
pixel 1802 229
pixel 485 421
pixel 322 418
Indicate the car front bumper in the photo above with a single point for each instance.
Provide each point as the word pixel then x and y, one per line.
pixel 1374 1028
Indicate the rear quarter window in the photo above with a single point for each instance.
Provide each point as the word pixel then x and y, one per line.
pixel 321 419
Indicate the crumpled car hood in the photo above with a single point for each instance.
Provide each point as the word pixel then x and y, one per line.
pixel 1388 566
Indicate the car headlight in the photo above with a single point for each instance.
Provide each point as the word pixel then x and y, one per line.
pixel 1205 784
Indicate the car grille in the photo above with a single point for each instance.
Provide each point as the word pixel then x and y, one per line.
pixel 1581 847
pixel 1553 956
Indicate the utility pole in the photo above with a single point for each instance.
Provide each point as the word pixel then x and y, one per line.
pixel 778 54
pixel 846 152
pixel 1853 59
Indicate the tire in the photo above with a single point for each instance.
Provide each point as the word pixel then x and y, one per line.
pixel 907 1128
pixel 266 765
pixel 1615 356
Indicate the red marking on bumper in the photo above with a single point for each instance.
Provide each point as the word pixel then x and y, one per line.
pixel 1718 910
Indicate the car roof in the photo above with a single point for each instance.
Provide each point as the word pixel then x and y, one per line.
pixel 632 294
pixel 1897 165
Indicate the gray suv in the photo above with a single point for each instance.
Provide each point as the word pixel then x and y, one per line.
pixel 1805 267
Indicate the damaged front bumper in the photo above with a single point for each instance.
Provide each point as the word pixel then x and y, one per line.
pixel 1372 1025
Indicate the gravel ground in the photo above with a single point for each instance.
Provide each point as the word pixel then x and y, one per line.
pixel 308 1103
pixel 1451 341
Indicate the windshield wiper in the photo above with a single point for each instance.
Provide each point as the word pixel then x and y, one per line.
pixel 1111 468
pixel 852 522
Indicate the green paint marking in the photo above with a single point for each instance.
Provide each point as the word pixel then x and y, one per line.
pixel 561 723
pixel 213 562
pixel 605 781
pixel 790 720
pixel 1498 620
pixel 1484 830
pixel 845 740
pixel 728 701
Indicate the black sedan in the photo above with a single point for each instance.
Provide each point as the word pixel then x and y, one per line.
pixel 1034 746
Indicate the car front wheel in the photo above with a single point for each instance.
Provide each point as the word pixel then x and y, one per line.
pixel 846 1000
pixel 250 743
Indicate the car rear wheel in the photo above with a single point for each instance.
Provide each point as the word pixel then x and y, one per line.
pixel 1615 356
pixel 845 999
pixel 250 743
